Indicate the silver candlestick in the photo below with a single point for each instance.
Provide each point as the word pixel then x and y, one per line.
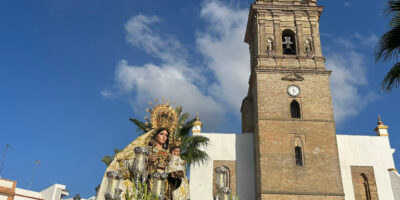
pixel 139 166
pixel 113 191
pixel 159 186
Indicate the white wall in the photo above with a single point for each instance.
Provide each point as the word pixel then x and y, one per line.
pixel 21 194
pixel 395 180
pixel 225 147
pixel 54 192
pixel 90 198
pixel 366 151
pixel 6 183
pixel 3 197
pixel 246 184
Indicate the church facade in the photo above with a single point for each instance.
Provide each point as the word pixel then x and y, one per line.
pixel 289 148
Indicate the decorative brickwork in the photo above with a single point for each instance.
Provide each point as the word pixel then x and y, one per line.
pixel 364 184
pixel 231 164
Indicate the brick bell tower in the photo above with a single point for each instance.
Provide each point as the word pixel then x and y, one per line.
pixel 289 106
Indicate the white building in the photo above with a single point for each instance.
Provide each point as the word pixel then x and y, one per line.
pixel 288 148
pixel 9 191
pixel 372 154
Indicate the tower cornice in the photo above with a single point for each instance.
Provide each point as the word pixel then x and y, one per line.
pixel 299 71
pixel 256 9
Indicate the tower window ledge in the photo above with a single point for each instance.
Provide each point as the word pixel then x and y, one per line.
pixel 293 57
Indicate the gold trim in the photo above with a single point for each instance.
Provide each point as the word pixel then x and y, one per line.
pixel 381 127
pixel 393 169
pixel 197 123
pixel 164 116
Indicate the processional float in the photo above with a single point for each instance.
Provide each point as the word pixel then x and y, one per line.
pixel 129 176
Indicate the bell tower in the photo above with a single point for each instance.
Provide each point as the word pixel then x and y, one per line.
pixel 289 106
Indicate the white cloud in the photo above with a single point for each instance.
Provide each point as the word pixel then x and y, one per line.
pixel 226 54
pixel 163 46
pixel 106 93
pixel 226 57
pixel 348 81
pixel 151 81
pixel 369 40
pixel 355 41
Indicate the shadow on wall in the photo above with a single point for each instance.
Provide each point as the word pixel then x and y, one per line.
pixel 245 166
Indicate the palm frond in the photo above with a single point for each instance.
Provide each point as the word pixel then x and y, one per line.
pixel 178 110
pixel 395 21
pixel 393 6
pixel 388 46
pixel 183 118
pixel 191 151
pixel 107 160
pixel 195 141
pixel 392 78
pixel 185 130
pixel 195 156
pixel 142 126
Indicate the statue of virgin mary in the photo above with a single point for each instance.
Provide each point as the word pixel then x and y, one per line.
pixel 143 168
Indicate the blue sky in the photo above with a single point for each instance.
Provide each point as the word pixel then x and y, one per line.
pixel 73 72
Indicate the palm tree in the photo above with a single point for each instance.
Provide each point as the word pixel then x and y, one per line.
pixel 190 148
pixel 388 47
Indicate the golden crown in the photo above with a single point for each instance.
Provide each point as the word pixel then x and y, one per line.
pixel 163 115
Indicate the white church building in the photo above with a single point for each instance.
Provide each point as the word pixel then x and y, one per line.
pixel 288 148
pixel 373 152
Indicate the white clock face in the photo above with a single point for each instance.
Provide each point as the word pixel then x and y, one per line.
pixel 293 90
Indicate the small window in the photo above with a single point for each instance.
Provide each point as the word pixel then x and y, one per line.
pixel 289 42
pixel 295 109
pixel 367 192
pixel 299 156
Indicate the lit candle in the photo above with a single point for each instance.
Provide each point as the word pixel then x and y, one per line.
pixel 159 187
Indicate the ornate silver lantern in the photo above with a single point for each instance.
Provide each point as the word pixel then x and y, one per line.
pixel 113 191
pixel 139 166
pixel 159 186
pixel 222 177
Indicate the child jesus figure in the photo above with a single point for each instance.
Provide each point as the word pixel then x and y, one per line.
pixel 177 169
pixel 176 166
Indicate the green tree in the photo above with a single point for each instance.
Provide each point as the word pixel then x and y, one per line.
pixel 388 47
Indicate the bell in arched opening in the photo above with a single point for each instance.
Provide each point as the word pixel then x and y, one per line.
pixel 289 42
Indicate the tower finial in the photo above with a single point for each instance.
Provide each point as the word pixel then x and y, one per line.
pixel 380 120
pixel 197 124
pixel 381 130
